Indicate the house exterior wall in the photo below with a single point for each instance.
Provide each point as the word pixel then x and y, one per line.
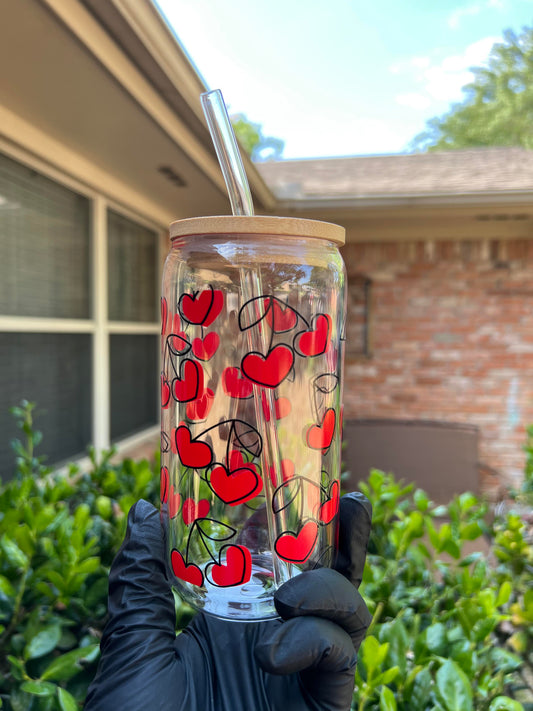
pixel 451 340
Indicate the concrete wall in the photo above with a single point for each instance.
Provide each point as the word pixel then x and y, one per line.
pixel 451 339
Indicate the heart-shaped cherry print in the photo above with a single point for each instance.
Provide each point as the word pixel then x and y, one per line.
pixel 317 339
pixel 297 548
pixel 165 392
pixel 280 317
pixel 236 486
pixel 287 472
pixel 236 570
pixel 163 484
pixel 329 508
pixel 192 510
pixel 188 573
pixel 192 453
pixel 174 501
pixel 201 308
pixel 190 383
pixel 235 385
pixel 321 436
pixel 269 370
pixel 206 347
pixel 282 405
pixel 200 408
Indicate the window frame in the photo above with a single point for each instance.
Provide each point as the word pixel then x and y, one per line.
pixel 98 326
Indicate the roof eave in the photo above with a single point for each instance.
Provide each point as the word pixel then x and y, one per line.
pixel 351 203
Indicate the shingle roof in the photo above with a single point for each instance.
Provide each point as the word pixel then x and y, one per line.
pixel 479 170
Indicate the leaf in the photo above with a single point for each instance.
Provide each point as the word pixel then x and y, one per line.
pixel 504 703
pixel 14 554
pixel 419 695
pixel 254 311
pixel 453 687
pixel 504 593
pixel 66 701
pixel 213 529
pixel 39 688
pixel 7 591
pixel 18 669
pixel 471 531
pixel 396 635
pixel 89 565
pixel 286 493
pixel 44 641
pixel 387 702
pixel 436 638
pixel 69 664
pixel 369 653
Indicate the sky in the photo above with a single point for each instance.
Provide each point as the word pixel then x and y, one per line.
pixel 341 77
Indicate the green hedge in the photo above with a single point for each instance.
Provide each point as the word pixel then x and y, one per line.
pixel 449 631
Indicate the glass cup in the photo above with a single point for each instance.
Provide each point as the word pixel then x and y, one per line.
pixel 253 318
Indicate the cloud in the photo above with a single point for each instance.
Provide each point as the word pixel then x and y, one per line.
pixel 456 17
pixel 441 80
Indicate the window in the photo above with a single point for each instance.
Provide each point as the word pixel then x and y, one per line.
pixel 358 331
pixel 79 301
pixel 44 246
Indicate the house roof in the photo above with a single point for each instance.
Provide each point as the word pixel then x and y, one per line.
pixel 453 173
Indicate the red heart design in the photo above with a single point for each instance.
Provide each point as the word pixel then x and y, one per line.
pixel 317 339
pixel 281 404
pixel 234 385
pixel 283 407
pixel 321 436
pixel 201 308
pixel 329 508
pixel 174 501
pixel 200 408
pixel 237 569
pixel 205 348
pixel 280 317
pixel 190 384
pixel 236 485
pixel 165 392
pixel 163 488
pixel 196 455
pixel 269 370
pixel 297 548
pixel 287 471
pixel 192 510
pixel 189 573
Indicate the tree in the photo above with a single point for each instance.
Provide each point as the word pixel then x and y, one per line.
pixel 251 138
pixel 498 106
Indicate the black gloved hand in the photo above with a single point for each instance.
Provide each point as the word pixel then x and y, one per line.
pixel 306 661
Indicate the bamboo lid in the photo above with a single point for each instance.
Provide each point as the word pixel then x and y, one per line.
pixel 257 225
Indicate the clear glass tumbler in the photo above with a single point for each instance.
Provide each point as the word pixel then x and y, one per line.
pixel 253 313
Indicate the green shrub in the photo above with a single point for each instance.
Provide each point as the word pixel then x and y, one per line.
pixel 449 630
pixel 58 535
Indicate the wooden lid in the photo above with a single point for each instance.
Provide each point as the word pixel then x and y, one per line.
pixel 257 225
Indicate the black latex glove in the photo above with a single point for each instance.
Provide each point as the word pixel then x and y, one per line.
pixel 306 661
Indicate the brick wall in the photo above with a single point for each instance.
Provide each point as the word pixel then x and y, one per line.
pixel 451 338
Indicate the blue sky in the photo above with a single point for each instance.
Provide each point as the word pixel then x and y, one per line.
pixel 341 77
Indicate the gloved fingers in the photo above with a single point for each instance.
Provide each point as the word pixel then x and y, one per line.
pixel 137 652
pixel 320 651
pixel 327 594
pixel 140 599
pixel 355 522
